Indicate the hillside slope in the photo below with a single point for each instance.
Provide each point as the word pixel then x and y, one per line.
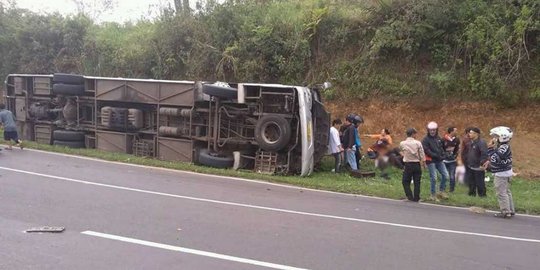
pixel 397 116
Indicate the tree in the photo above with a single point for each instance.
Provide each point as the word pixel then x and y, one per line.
pixel 94 8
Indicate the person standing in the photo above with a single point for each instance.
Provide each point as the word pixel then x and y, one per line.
pixel 413 159
pixel 349 142
pixel 335 144
pixel 465 142
pixel 433 147
pixel 500 163
pixel 10 128
pixel 477 157
pixel 451 148
pixel 358 120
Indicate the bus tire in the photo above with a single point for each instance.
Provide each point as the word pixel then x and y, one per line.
pixel 70 144
pixel 214 160
pixel 272 132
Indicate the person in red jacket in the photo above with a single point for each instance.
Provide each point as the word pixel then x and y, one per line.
pixel 451 147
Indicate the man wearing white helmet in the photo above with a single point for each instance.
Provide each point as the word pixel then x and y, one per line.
pixel 433 147
pixel 500 163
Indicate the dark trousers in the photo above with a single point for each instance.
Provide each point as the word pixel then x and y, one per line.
pixel 358 157
pixel 467 176
pixel 337 157
pixel 412 171
pixel 477 184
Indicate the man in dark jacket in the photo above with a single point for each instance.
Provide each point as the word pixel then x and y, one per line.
pixel 433 147
pixel 348 142
pixel 465 140
pixel 477 158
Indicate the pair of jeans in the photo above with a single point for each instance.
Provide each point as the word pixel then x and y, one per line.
pixel 451 168
pixel 477 184
pixel 433 167
pixel 351 158
pixel 337 157
pixel 412 171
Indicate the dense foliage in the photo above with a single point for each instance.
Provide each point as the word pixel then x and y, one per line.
pixel 441 48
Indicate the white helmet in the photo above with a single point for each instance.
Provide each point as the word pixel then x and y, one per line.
pixel 432 125
pixel 504 134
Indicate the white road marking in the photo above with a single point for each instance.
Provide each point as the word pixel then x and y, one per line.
pixel 191 251
pixel 275 209
pixel 262 182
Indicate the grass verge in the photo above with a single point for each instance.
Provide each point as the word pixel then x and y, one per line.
pixel 526 193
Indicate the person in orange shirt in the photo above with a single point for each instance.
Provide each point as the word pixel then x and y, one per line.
pixel 379 150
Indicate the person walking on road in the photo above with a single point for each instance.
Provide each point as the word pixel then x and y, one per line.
pixel 451 148
pixel 500 163
pixel 433 147
pixel 10 128
pixel 477 158
pixel 335 144
pixel 414 160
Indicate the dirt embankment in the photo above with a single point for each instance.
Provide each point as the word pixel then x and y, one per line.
pixel 397 116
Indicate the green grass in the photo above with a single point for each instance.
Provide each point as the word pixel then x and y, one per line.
pixel 526 193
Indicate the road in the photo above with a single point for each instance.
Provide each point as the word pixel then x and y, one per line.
pixel 121 216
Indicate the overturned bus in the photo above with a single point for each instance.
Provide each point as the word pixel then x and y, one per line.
pixel 269 128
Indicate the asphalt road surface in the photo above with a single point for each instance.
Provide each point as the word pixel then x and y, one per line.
pixel 132 217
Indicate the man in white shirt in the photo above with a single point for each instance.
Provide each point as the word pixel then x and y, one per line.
pixel 335 144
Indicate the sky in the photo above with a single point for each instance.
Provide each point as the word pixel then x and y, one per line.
pixel 122 11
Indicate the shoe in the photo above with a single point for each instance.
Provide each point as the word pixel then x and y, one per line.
pixel 512 213
pixel 503 215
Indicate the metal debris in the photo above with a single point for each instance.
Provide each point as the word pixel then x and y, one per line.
pixel 478 210
pixel 46 229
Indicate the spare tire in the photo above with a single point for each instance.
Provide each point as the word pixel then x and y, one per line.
pixel 220 91
pixel 68 78
pixel 272 132
pixel 214 160
pixel 70 144
pixel 68 135
pixel 68 89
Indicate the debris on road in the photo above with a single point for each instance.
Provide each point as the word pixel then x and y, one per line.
pixel 46 229
pixel 478 210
